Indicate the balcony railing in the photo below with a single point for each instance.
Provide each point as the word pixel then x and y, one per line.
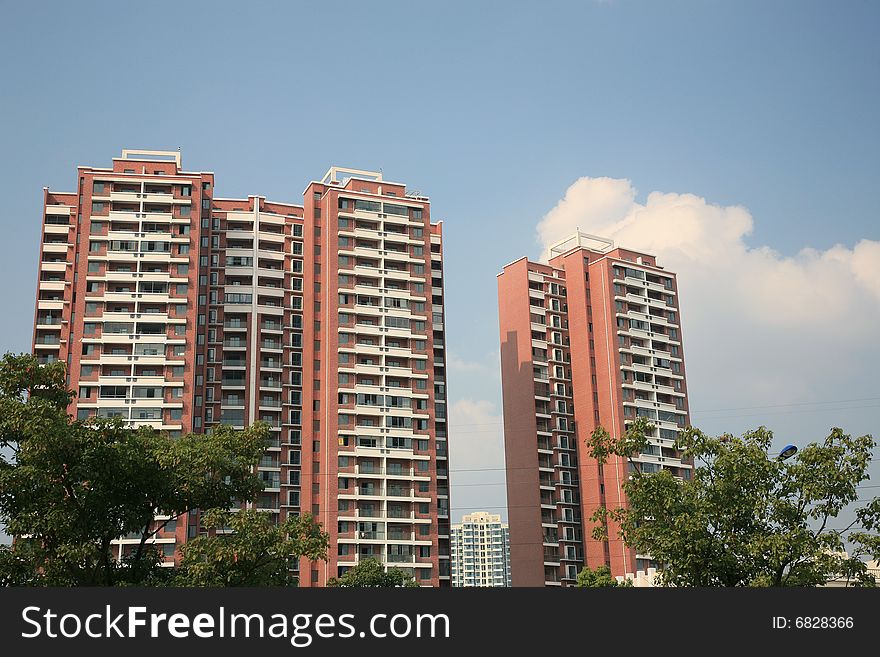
pixel 371 535
pixel 401 558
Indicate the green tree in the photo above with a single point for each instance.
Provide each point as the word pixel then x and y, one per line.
pixel 254 552
pixel 743 518
pixel 71 487
pixel 370 572
pixel 599 578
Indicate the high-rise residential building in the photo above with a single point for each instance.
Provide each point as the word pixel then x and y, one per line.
pixel 480 551
pixel 377 464
pixel 592 337
pixel 180 310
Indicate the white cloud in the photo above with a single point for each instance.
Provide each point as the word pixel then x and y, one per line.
pixel 476 453
pixel 758 327
pixel 453 362
pixel 475 435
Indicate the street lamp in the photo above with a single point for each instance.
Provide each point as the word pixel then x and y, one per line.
pixel 787 452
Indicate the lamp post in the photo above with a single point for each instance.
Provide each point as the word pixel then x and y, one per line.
pixel 787 452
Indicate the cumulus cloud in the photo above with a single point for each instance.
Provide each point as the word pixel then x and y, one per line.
pixel 758 326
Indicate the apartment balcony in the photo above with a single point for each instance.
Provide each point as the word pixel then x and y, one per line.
pixel 56 229
pixel 268 270
pixel 270 254
pixel 269 236
pixel 551 540
pixel 400 558
pixel 270 482
pixel 48 345
pixel 362 470
pixel 658 287
pixel 125 196
pixel 55 266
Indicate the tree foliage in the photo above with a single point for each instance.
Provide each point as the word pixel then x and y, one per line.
pixel 599 578
pixel 371 573
pixel 71 487
pixel 746 519
pixel 254 552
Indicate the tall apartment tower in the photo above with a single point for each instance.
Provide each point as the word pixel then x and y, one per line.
pixel 375 467
pixel 179 310
pixel 480 551
pixel 591 338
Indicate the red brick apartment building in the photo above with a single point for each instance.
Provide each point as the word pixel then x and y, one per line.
pixel 180 310
pixel 591 338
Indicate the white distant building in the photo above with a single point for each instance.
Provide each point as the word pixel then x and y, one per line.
pixel 873 569
pixel 641 578
pixel 481 551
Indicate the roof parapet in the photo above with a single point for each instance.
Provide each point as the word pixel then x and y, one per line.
pixel 580 240
pixel 332 175
pixel 152 156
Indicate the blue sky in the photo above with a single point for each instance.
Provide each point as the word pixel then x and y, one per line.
pixel 494 109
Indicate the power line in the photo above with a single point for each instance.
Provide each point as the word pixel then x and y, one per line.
pixel 810 403
pixel 789 412
pixel 537 506
pixel 351 475
pixel 504 483
pixel 734 408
